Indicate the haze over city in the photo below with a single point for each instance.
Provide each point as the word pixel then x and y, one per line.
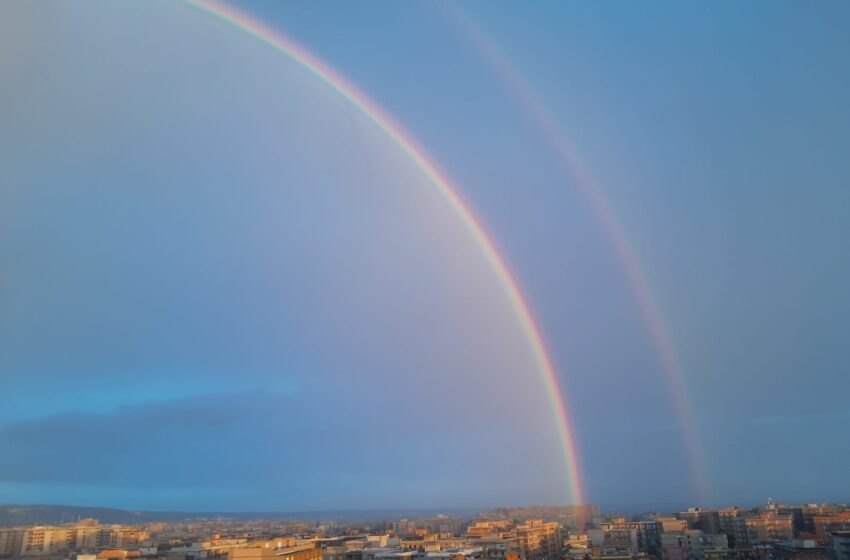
pixel 427 257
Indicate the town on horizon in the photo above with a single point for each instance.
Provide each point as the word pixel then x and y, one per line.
pixel 773 531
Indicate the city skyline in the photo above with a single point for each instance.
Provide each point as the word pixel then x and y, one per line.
pixel 773 530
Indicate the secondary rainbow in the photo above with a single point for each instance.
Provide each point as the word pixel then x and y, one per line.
pixel 573 165
pixel 410 148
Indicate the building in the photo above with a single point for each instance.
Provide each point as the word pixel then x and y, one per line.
pixel 826 525
pixel 792 550
pixel 840 545
pixel 734 525
pixel 540 540
pixel 770 526
pixel 85 536
pixel 267 550
pixel 215 548
pixel 693 544
pixel 488 528
pixel 471 553
pixel 11 541
pixel 672 524
pixel 503 539
pixel 705 520
pixel 644 536
pixel 428 525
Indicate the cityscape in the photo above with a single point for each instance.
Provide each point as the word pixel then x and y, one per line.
pixel 424 280
pixel 774 531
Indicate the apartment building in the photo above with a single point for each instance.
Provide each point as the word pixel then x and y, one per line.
pixel 59 540
pixel 643 536
pixel 770 526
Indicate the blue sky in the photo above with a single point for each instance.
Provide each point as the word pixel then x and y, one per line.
pixel 209 254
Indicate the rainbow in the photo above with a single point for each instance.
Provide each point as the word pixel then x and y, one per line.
pixel 449 192
pixel 574 166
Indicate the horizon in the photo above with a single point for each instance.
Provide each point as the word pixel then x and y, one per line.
pixel 606 509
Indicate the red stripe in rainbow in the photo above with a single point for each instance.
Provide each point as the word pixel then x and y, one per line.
pixel 573 165
pixel 449 192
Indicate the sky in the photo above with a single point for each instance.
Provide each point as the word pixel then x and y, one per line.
pixel 223 288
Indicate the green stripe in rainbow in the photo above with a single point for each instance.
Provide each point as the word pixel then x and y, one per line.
pixel 447 190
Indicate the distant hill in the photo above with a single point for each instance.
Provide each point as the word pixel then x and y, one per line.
pixel 19 514
pixel 16 514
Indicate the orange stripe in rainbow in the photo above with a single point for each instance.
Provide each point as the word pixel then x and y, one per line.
pixel 450 193
pixel 573 165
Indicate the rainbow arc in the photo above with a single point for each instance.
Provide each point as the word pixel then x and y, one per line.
pixel 408 146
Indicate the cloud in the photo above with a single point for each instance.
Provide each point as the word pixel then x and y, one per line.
pixel 157 441
pixel 305 445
